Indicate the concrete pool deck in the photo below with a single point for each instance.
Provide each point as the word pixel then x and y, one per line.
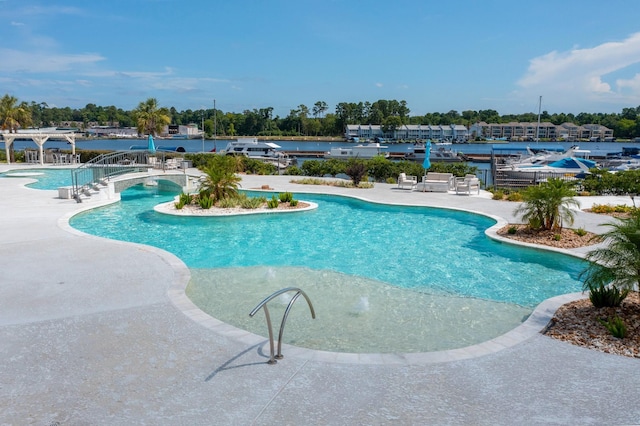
pixel 89 335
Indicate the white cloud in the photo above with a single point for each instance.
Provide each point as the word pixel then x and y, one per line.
pixel 43 62
pixel 581 75
pixel 633 84
pixel 379 84
pixel 17 24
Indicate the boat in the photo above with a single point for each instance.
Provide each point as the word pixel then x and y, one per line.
pixel 258 150
pixel 543 156
pixel 369 150
pixel 436 154
pixel 625 165
pixel 567 166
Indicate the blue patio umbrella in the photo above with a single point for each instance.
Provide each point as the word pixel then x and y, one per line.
pixel 151 147
pixel 427 153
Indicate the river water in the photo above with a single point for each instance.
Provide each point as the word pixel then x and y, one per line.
pixel 197 145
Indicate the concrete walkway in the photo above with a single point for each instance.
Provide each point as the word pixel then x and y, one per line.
pixel 92 331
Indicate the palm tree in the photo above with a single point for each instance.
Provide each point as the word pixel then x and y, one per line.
pixel 150 118
pixel 220 182
pixel 548 205
pixel 618 260
pixel 13 116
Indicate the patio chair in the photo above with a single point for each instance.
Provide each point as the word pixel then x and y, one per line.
pixel 403 180
pixel 467 185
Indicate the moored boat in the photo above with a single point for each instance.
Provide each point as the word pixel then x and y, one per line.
pixel 567 166
pixel 418 153
pixel 369 150
pixel 257 150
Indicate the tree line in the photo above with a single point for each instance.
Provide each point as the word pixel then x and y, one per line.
pixel 303 120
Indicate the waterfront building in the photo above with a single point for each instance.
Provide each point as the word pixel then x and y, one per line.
pixel 545 130
pixel 438 133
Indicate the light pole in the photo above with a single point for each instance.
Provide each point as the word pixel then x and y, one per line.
pixel 202 131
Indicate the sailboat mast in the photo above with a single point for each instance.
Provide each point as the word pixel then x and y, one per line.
pixel 215 125
pixel 538 126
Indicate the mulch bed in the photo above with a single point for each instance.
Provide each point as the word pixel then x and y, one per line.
pixel 579 323
pixel 567 239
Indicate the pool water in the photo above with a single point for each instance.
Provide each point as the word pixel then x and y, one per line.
pixel 46 178
pixel 392 278
pixel 353 313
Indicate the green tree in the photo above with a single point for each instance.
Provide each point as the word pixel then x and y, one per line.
pixel 150 118
pixel 617 261
pixel 547 205
pixel 13 116
pixel 391 124
pixel 319 108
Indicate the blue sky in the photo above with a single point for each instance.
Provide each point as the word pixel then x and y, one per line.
pixel 579 55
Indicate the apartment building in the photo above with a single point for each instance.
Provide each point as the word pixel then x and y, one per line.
pixel 544 130
pixel 450 132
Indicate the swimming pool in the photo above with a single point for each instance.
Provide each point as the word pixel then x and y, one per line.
pixel 45 178
pixel 382 278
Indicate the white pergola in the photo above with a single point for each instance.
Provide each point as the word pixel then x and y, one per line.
pixel 39 139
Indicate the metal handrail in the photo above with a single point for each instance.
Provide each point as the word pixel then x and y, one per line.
pixel 105 166
pixel 263 304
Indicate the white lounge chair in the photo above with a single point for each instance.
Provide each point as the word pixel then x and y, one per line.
pixel 467 185
pixel 171 164
pixel 403 180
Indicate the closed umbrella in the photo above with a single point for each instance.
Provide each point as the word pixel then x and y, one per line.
pixel 427 153
pixel 151 147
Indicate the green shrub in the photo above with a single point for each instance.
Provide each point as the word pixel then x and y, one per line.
pixel 205 201
pixel 293 171
pixel 356 169
pixel 580 232
pixel 608 208
pixel 616 327
pixel 285 197
pixel 310 181
pixel 498 195
pixel 314 168
pixel 228 202
pixel 557 237
pixel 607 296
pixel 535 223
pixel 512 230
pixel 514 196
pixel 273 203
pixel 365 185
pixel 252 203
pixel 293 203
pixel 390 180
pixel 183 200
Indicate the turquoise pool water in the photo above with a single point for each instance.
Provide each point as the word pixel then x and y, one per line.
pixel 48 179
pixel 382 278
pixel 427 249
